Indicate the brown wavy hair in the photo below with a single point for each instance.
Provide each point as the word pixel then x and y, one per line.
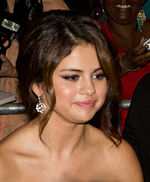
pixel 49 39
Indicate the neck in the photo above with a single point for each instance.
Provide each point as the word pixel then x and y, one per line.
pixel 62 137
pixel 126 36
pixel 121 29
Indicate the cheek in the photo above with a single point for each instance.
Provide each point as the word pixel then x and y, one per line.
pixel 63 92
pixel 102 90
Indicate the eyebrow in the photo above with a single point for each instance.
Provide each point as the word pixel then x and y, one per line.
pixel 78 70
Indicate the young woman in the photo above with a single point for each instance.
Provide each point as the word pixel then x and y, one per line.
pixel 67 78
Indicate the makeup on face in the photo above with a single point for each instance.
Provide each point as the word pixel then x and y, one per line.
pixel 80 84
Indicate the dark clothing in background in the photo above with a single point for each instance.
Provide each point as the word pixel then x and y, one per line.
pixel 137 125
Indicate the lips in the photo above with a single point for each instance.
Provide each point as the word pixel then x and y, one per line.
pixel 88 103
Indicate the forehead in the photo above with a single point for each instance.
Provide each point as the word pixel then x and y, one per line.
pixel 82 57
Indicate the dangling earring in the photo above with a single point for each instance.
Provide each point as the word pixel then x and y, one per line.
pixel 141 18
pixel 40 107
pixel 103 17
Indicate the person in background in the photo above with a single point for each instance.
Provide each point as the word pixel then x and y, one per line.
pixel 24 11
pixel 63 90
pixel 126 28
pixel 137 125
pixel 54 4
pixel 8 78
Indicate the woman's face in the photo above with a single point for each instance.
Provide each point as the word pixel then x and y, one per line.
pixel 80 85
pixel 122 11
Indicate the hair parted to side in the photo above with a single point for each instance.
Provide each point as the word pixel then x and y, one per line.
pixel 49 39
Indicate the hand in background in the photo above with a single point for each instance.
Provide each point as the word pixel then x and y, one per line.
pixel 134 58
pixel 54 4
pixel 139 56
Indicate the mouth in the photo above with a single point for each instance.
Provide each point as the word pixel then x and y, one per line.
pixel 87 104
pixel 123 6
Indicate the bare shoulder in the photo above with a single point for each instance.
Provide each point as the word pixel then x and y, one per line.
pixel 125 162
pixel 119 162
pixel 12 149
pixel 19 140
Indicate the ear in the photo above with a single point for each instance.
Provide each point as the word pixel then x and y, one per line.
pixel 37 89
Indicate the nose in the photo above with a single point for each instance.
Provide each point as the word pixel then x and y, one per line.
pixel 87 87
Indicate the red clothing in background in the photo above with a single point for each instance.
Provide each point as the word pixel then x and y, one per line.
pixel 129 80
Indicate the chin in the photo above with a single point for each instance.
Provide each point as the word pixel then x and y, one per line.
pixel 84 118
pixel 123 21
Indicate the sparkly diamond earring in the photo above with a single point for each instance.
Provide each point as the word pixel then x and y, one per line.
pixel 40 107
pixel 141 18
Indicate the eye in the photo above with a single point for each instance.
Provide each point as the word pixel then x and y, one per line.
pixel 71 77
pixel 99 76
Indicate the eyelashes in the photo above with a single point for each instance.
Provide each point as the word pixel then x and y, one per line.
pixel 99 76
pixel 71 77
pixel 75 77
